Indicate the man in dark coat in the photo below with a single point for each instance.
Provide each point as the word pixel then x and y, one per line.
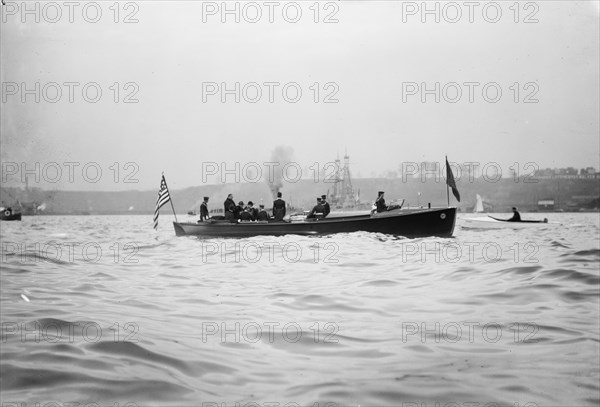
pixel 237 212
pixel 246 215
pixel 380 203
pixel 262 214
pixel 317 211
pixel 278 208
pixel 326 207
pixel 516 216
pixel 253 211
pixel 229 208
pixel 204 209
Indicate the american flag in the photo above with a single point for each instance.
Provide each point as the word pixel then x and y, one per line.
pixel 163 198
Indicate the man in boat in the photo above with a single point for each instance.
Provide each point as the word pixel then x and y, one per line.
pixel 229 208
pixel 380 202
pixel 246 215
pixel 516 216
pixel 262 214
pixel 278 208
pixel 317 212
pixel 253 211
pixel 204 209
pixel 239 208
pixel 326 207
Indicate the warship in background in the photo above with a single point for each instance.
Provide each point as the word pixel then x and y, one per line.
pixel 344 198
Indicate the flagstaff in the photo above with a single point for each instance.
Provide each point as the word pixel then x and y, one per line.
pixel 170 200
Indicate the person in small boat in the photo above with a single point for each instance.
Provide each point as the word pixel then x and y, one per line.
pixel 317 211
pixel 380 202
pixel 278 208
pixel 239 208
pixel 253 210
pixel 229 208
pixel 262 214
pixel 246 215
pixel 204 209
pixel 326 207
pixel 516 215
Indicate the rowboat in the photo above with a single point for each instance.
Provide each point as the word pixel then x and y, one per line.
pixel 490 222
pixel 401 222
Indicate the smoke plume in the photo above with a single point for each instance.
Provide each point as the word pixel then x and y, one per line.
pixel 281 155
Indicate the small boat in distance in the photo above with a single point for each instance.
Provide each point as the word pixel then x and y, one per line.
pixel 401 222
pixel 491 222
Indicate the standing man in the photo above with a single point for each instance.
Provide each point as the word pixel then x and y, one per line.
pixel 278 208
pixel 326 207
pixel 204 209
pixel 229 208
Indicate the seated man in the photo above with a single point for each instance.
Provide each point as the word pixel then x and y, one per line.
pixel 246 216
pixel 380 203
pixel 253 210
pixel 326 207
pixel 317 211
pixel 516 216
pixel 239 208
pixel 262 214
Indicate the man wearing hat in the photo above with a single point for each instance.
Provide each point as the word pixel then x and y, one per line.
pixel 516 215
pixel 204 209
pixel 229 208
pixel 380 203
pixel 317 211
pixel 237 212
pixel 326 207
pixel 253 211
pixel 278 208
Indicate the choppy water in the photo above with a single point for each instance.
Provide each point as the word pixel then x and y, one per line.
pixel 125 315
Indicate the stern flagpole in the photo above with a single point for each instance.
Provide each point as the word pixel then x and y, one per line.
pixel 171 199
pixel 447 186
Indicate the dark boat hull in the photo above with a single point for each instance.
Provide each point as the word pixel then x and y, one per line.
pixel 14 216
pixel 409 223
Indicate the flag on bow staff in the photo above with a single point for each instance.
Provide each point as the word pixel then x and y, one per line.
pixel 163 198
pixel 451 183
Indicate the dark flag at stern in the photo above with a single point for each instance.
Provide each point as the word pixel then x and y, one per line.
pixel 451 183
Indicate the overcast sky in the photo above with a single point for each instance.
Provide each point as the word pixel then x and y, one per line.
pixel 374 60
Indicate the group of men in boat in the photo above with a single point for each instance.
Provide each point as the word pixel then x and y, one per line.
pixel 239 212
pixel 248 212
